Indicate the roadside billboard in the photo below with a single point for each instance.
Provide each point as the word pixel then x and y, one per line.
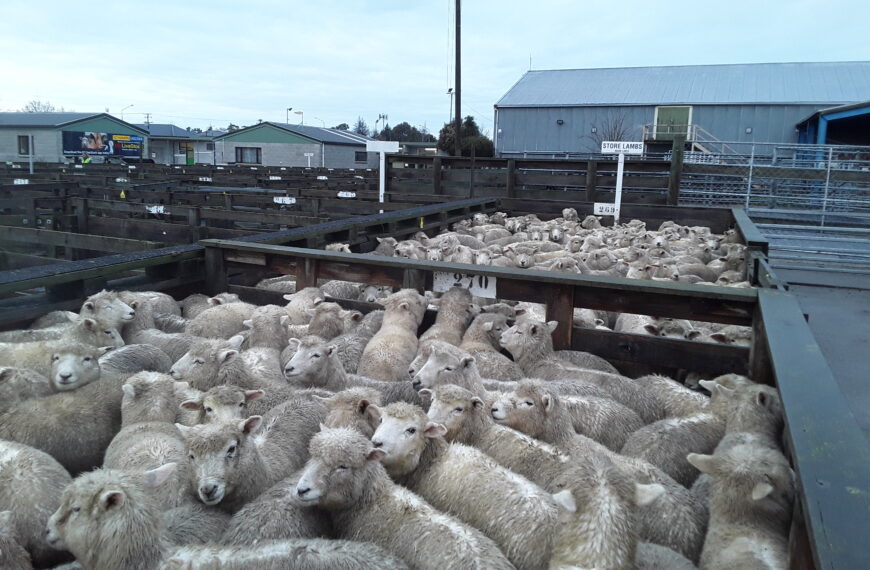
pixel 101 144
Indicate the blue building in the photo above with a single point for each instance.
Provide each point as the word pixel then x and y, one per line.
pixel 573 110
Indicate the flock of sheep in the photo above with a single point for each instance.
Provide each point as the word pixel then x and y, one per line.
pixel 145 432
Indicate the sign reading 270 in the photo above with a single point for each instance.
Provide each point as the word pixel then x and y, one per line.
pixel 478 285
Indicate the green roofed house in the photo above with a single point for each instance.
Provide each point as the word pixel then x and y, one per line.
pixel 60 137
pixel 281 144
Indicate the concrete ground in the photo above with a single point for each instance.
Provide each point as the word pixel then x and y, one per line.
pixel 840 321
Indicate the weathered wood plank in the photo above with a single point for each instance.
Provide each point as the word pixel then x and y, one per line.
pixel 77 241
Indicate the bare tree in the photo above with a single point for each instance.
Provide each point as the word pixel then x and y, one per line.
pixel 37 106
pixel 612 127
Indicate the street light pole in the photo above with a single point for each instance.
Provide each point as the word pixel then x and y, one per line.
pixel 302 119
pixel 124 109
pixel 458 82
pixel 288 114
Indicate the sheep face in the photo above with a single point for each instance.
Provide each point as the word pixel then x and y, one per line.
pixel 402 434
pixel 108 308
pixel 433 254
pixel 201 363
pixel 442 367
pixel 309 362
pixel 353 408
pixel 222 404
pixel 339 247
pixel 452 407
pixel 337 472
pixel 570 215
pixel 372 293
pixel 525 412
pixel 672 328
pixel 303 300
pixel 734 335
pixel 526 336
pixel 524 260
pixel 215 452
pixel 574 244
pixel 75 367
pixel 483 257
pixel 92 332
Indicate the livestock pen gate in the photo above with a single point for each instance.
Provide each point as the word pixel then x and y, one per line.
pixel 829 453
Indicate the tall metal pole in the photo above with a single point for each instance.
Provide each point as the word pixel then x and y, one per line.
pixel 458 123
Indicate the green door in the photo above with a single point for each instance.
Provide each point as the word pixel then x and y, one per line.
pixel 672 121
pixel 186 149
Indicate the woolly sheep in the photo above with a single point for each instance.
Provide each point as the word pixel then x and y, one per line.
pixel 143 330
pixel 344 476
pixel 32 485
pixel 300 302
pixel 83 329
pixel 221 403
pixel 162 303
pixel 657 557
pixel 520 517
pixel 37 356
pixel 108 308
pixel 455 312
pixel 481 341
pixel 351 344
pixel 328 320
pixel 54 318
pixel 220 321
pixel 340 247
pixel 19 384
pixel 132 358
pixel 390 351
pixel 12 553
pixel 352 408
pixel 194 304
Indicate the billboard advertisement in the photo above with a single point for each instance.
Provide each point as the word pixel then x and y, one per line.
pixel 101 144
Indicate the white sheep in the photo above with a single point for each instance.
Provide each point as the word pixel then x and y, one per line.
pixel 455 312
pixel 480 340
pixel 12 552
pixel 390 351
pixel 19 384
pixel 345 477
pixel 219 404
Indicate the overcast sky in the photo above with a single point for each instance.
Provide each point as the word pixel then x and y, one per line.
pixel 198 63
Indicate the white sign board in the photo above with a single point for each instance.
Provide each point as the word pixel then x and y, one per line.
pixel 322 178
pixel 205 178
pixel 477 285
pixel 312 154
pixel 274 178
pixel 131 167
pixel 346 194
pixel 81 166
pixel 121 179
pixel 382 146
pixel 604 209
pixel 21 181
pixel 156 209
pixel 621 147
pixel 284 200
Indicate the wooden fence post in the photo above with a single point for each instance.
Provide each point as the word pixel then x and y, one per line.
pixel 193 220
pixel 676 170
pixel 306 273
pixel 215 271
pixel 560 307
pixel 511 182
pixel 81 205
pixel 591 180
pixel 436 176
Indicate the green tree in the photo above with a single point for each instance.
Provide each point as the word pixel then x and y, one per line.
pixel 342 127
pixel 361 128
pixel 471 138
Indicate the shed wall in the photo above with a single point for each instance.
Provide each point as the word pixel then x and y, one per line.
pixel 46 144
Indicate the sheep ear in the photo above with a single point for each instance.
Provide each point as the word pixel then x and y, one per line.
pixel 719 337
pixel 363 406
pixel 284 320
pixel 426 394
pixel 183 428
pixel 106 349
pixel 6 374
pixel 157 477
pixel 434 430
pixel 466 361
pixel 708 385
pixel 435 303
pixel 404 306
pixel 191 405
pixel 374 411
pixel 548 402
pixel 226 355
pixel 723 390
pixel 487 326
pixel 376 455
pixel 294 341
pixel 380 240
pixel 311 312
pixel 288 296
pixel 356 316
pixel 551 325
pixel 761 490
pixel 566 500
pixel 646 494
pixel 236 341
pixel 691 335
pixel 703 463
pixel 330 350
pixel 477 402
pixel 214 301
pixel 599 323
pixel 762 399
pixel 651 329
pixel 111 499
pixel 89 324
pixel 254 394
pixel 250 425
pixel 248 323
pixel 89 305
pixel 129 390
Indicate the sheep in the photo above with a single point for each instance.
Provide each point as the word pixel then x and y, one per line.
pixel 220 403
pixel 148 438
pixel 53 318
pixel 371 293
pixel 83 329
pixel 392 348
pixel 300 302
pixel 283 284
pixel 544 351
pixel 132 358
pixel 676 400
pixel 520 517
pixel 19 384
pixel 339 247
pixel 162 303
pixel 410 249
pixel 328 320
pixel 455 311
pixel 750 507
pixel 341 289
pixel 351 344
pixel 12 553
pixel 481 342
pixel 194 304
pixel 220 321
pixel 316 365
pixel 143 330
pixel 353 408
pixel 230 468
pixel 33 354
pixel 344 476
pixel 115 500
pixel 733 335
pixel 108 308
pixel 531 345
pixel 657 557
pixel 32 484
pixel 541 414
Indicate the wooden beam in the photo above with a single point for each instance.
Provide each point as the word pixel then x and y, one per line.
pixel 74 240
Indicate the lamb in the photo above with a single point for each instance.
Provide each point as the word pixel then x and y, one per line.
pixel 299 303
pixel 83 329
pixel 540 350
pixel 19 384
pixel 410 249
pixel 386 246
pixel 162 303
pixel 54 318
pixel 132 358
pixel 316 365
pixel 455 311
pixel 220 321
pixel 341 289
pixel 542 414
pixel 345 478
pixel 371 293
pixel 352 408
pixel 657 557
pixel 220 403
pixel 481 342
pixel 328 320
pixel 339 247
pixel 107 308
pixel 750 508
pixel 143 330
pixel 33 355
pixel 351 344
pixel 194 304
pixel 125 500
pixel 12 553
pixel 393 347
pixel 520 517
pixel 231 469
pixel 531 345
pixel 32 484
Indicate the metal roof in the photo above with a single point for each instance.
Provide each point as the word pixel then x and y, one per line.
pixel 760 83
pixel 320 134
pixel 838 109
pixel 166 131
pixel 22 119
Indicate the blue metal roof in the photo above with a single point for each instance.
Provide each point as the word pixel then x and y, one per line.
pixel 320 134
pixel 760 83
pixel 166 131
pixel 22 119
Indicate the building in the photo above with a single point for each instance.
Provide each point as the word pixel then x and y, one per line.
pixel 843 125
pixel 60 137
pixel 573 110
pixel 281 144
pixel 170 144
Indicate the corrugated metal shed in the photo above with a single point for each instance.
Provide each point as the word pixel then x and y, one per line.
pixel 21 119
pixel 761 83
pixel 166 130
pixel 329 136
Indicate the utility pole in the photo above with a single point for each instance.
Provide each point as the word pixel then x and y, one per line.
pixel 148 119
pixel 457 151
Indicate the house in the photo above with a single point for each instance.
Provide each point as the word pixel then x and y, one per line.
pixel 173 145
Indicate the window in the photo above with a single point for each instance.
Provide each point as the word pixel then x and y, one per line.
pixel 24 144
pixel 210 146
pixel 248 154
pixel 360 156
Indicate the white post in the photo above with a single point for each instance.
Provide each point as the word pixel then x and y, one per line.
pixel 618 198
pixel 382 176
pixel 30 152
pixel 309 160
